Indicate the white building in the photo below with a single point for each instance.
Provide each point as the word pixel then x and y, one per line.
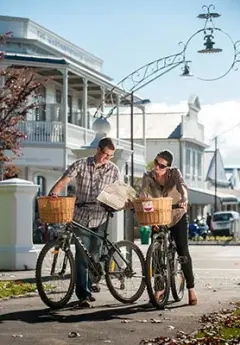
pixel 181 133
pixel 75 86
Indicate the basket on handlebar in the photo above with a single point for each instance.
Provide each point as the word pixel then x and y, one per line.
pixel 153 211
pixel 56 210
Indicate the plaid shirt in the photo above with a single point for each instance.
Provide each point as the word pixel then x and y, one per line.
pixel 174 187
pixel 90 181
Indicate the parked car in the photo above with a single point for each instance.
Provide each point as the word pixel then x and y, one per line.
pixel 222 222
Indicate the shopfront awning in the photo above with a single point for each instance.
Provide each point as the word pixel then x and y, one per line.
pixel 201 196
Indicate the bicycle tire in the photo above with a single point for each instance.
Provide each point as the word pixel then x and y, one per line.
pixel 108 279
pixel 177 296
pixel 39 284
pixel 159 304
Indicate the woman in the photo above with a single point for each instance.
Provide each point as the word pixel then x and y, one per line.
pixel 163 181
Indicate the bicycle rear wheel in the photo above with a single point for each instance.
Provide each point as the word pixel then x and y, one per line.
pixel 55 278
pixel 177 278
pixel 121 277
pixel 157 275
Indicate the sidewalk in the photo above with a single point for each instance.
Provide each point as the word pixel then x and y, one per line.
pixel 29 275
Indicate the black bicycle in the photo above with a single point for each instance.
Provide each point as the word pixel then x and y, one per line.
pixel 123 263
pixel 163 268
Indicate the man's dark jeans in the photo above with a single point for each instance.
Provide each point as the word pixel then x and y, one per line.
pixel 93 244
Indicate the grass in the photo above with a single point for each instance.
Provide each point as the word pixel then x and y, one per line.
pixel 222 327
pixel 10 288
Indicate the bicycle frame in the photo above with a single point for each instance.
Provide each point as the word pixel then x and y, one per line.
pixel 71 231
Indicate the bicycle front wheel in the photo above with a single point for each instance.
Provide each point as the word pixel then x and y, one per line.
pixel 125 272
pixel 157 275
pixel 177 278
pixel 55 275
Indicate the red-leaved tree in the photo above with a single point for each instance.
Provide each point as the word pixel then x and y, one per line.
pixel 18 95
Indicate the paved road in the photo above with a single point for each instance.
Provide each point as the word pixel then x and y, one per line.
pixel 27 321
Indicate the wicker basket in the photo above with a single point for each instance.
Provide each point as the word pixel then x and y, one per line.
pixel 153 211
pixel 56 210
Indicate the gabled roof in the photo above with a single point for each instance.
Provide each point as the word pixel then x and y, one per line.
pixel 210 169
pixel 194 103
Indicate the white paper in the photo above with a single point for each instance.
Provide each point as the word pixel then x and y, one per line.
pixel 116 195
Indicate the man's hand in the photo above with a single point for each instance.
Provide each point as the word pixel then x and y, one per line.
pixel 128 204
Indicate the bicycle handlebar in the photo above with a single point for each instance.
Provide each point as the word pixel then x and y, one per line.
pixel 174 207
pixel 87 203
pixel 109 209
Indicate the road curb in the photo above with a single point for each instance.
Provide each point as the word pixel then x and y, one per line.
pixel 212 243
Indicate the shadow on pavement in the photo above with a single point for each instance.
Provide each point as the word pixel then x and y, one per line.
pixel 103 313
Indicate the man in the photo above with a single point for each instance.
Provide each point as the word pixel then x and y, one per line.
pixel 91 174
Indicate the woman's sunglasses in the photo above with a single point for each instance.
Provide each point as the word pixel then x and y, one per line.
pixel 161 166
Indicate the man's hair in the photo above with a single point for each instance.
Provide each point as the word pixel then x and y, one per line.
pixel 106 142
pixel 167 155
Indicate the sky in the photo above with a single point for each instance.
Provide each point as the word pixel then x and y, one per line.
pixel 128 34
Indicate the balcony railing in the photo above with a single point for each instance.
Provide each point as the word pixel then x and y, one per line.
pixel 41 132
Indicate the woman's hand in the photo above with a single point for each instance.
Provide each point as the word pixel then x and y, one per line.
pixel 144 195
pixel 183 204
pixel 53 195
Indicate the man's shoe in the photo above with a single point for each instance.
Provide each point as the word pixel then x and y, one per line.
pixel 91 298
pixel 83 303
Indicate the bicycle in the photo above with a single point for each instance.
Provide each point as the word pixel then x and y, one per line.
pixel 162 265
pixel 118 265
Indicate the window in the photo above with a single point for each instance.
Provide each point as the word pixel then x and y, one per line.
pixel 58 101
pixel 41 182
pixel 188 162
pixel 194 165
pixel 80 113
pixel 58 96
pixel 199 165
pixel 69 109
pixel 40 112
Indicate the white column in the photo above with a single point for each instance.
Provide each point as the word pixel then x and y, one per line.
pixel 85 108
pixel 65 121
pixel 85 102
pixel 118 117
pixel 17 251
pixel 103 93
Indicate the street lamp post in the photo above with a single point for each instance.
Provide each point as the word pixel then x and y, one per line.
pixel 215 177
pixel 132 140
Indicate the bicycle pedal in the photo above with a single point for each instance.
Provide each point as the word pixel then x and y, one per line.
pixel 182 259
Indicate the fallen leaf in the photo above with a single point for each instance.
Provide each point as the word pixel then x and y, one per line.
pixel 73 335
pixel 156 321
pixel 171 327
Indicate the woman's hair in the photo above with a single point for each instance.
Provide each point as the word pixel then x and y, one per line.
pixel 167 155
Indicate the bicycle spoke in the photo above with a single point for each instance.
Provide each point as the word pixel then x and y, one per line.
pixel 54 275
pixel 125 272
